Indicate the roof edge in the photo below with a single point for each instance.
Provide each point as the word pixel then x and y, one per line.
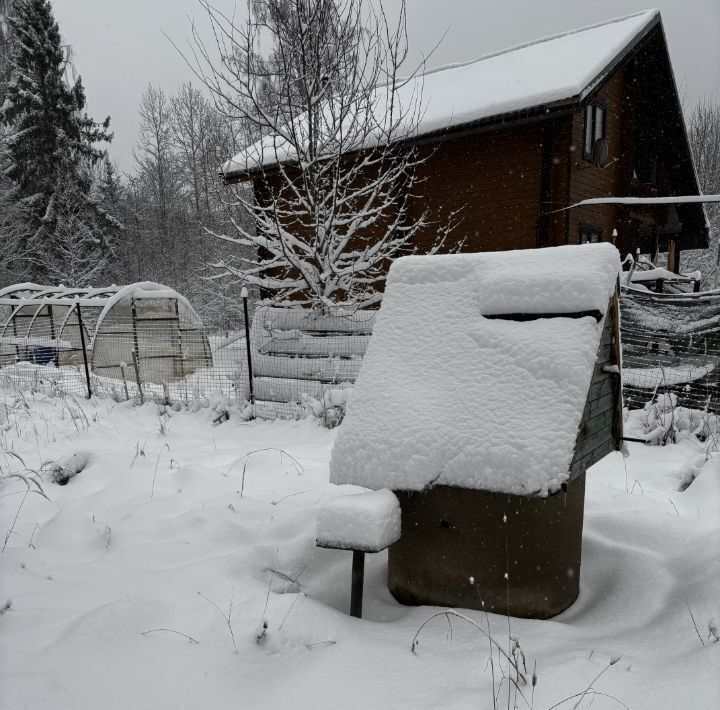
pixel 654 21
pixel 541 40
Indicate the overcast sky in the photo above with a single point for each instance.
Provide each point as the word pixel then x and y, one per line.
pixel 119 46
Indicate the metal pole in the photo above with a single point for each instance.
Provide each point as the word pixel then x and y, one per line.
pixel 136 349
pixel 84 351
pixel 244 296
pixel 56 356
pixel 358 578
pixel 136 365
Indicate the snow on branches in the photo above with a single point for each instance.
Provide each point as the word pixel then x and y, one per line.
pixel 330 149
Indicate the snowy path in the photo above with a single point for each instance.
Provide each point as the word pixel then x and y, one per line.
pixel 131 544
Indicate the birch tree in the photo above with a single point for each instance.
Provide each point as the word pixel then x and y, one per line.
pixel 318 83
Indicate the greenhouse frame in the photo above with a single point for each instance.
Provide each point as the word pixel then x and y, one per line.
pixel 142 332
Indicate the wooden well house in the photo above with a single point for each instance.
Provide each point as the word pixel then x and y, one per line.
pixel 490 385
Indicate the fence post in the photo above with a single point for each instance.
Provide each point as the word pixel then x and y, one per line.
pixel 136 365
pixel 56 356
pixel 136 349
pixel 84 350
pixel 244 296
pixel 124 378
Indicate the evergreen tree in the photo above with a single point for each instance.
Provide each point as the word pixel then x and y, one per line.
pixel 48 152
pixel 6 11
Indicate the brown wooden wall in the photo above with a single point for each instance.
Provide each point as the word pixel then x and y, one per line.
pixel 588 180
pixel 493 179
pixel 504 182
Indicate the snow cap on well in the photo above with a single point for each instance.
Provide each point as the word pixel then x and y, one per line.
pixel 448 396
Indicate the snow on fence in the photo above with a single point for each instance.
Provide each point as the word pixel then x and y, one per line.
pixel 303 360
pixel 671 343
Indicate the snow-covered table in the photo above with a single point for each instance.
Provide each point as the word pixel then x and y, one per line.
pixel 361 522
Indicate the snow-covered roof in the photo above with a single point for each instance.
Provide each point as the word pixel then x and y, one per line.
pixel 30 294
pixel 449 393
pixel 144 290
pixel 562 67
pixel 30 291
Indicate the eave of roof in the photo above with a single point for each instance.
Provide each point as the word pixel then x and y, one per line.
pixel 539 110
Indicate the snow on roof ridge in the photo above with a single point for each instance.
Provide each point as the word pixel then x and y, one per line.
pixel 651 13
pixel 500 83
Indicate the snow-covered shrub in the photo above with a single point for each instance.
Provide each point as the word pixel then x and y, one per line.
pixel 330 408
pixel 665 422
pixel 68 466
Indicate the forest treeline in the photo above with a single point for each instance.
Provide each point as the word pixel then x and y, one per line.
pixel 69 216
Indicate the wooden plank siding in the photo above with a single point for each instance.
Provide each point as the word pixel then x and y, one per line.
pixel 589 180
pixel 599 428
pixel 493 181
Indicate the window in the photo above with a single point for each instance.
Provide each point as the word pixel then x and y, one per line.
pixel 590 234
pixel 594 126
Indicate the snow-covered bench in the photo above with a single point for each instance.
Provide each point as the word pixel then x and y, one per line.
pixel 361 522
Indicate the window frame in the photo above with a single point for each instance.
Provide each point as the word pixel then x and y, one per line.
pixel 590 126
pixel 590 230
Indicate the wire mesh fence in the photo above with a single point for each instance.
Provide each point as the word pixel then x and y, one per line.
pixel 144 345
pixel 142 342
pixel 671 344
pixel 150 346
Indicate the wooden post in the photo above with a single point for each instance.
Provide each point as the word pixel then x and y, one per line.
pixel 358 580
pixel 244 296
pixel 672 259
pixel 136 365
pixel 84 350
pixel 124 378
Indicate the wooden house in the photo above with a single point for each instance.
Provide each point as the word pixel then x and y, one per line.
pixel 517 135
pixel 490 385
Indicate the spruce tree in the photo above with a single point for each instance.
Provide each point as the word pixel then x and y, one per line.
pixel 48 152
pixel 6 11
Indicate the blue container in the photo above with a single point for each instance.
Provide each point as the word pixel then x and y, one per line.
pixel 42 355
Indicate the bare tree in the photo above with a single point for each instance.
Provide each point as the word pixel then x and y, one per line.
pixel 335 168
pixel 158 174
pixel 189 113
pixel 704 134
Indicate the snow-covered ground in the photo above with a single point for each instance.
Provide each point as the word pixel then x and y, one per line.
pixel 179 570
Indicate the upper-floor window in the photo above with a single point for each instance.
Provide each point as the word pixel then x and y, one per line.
pixel 590 234
pixel 594 127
